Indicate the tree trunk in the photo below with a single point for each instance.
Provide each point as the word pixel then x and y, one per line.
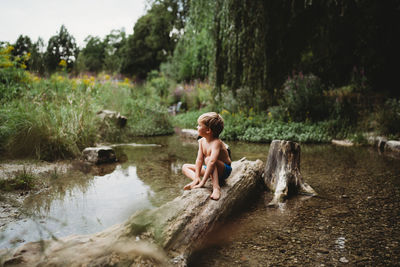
pixel 282 171
pixel 165 235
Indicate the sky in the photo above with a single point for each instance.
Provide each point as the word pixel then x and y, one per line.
pixel 43 18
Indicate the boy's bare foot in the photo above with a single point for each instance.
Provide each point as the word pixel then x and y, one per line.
pixel 191 185
pixel 216 194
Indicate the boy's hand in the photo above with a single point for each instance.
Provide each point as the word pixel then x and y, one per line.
pixel 191 185
pixel 201 184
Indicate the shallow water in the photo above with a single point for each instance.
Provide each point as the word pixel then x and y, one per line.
pixel 355 219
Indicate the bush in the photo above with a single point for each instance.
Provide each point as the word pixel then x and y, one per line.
pixel 257 127
pixel 22 180
pixel 389 118
pixel 196 95
pixel 298 132
pixel 12 75
pixel 188 120
pixel 304 100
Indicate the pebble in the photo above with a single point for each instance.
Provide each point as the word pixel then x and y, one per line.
pixel 323 250
pixel 343 260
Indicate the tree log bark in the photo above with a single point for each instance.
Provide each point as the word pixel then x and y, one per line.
pixel 166 235
pixel 282 172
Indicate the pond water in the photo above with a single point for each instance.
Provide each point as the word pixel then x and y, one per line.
pixel 355 219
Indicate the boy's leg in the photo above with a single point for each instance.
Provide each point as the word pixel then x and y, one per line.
pixel 216 193
pixel 189 170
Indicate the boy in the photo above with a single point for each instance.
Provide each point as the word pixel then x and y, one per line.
pixel 212 152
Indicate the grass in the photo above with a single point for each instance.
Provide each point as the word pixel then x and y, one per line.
pixel 22 180
pixel 56 118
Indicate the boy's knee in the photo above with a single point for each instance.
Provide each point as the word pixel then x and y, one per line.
pixel 185 166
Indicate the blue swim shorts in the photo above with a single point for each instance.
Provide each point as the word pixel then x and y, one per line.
pixel 225 175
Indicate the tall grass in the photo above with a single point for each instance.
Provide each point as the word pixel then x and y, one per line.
pixel 56 117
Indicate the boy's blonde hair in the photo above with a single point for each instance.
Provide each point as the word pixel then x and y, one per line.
pixel 214 121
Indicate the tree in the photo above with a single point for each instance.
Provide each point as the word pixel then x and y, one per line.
pixel 61 46
pixel 194 52
pixel 152 40
pixel 22 50
pixel 113 56
pixel 92 55
pixel 259 43
pixel 36 61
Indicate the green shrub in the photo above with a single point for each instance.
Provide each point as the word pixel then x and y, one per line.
pixel 389 118
pixel 12 75
pixel 304 100
pixel 298 132
pixel 257 127
pixel 188 119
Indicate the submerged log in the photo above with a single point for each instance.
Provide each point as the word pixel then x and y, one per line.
pixel 282 172
pixel 165 235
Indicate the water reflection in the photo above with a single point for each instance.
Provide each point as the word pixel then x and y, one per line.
pixel 85 208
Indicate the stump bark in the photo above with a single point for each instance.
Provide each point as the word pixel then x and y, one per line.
pixel 282 172
pixel 167 235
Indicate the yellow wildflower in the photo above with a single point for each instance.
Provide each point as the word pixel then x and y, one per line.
pixel 62 63
pixel 224 111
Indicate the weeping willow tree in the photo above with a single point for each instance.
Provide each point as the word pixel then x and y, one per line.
pixel 252 46
pixel 194 54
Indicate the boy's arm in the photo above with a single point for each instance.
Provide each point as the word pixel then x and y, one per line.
pixel 199 161
pixel 215 149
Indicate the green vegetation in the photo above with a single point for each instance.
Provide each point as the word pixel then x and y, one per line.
pixel 262 128
pixel 22 180
pixel 300 70
pixel 56 117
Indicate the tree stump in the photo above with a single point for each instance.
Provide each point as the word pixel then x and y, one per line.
pixel 282 172
pixel 166 235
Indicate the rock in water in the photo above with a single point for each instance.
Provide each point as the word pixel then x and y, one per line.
pixel 282 172
pixel 99 155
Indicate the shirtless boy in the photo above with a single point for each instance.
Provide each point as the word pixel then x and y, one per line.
pixel 212 157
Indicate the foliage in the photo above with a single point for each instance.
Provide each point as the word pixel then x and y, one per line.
pixel 304 99
pixel 113 55
pixel 12 75
pixel 22 180
pixel 159 84
pixel 188 119
pixel 91 57
pixel 389 118
pixel 258 43
pixel 298 132
pixel 56 117
pixel 37 58
pixel 22 49
pixel 255 127
pixel 152 41
pixel 194 52
pixel 61 46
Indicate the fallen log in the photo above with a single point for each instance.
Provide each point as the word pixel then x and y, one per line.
pixel 282 171
pixel 166 235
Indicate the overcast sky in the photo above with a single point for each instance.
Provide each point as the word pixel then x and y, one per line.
pixel 81 17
